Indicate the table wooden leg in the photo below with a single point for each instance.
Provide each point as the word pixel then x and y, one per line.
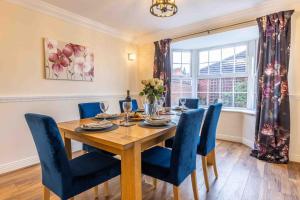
pixel 131 182
pixel 67 143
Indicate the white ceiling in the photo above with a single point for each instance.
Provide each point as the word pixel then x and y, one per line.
pixel 132 17
pixel 218 39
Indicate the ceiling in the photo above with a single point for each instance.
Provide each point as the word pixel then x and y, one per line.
pixel 218 39
pixel 132 17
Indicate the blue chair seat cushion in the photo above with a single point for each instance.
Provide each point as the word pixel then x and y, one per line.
pixel 156 162
pixel 92 169
pixel 93 163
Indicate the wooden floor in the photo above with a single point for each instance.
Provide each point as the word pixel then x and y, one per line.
pixel 240 177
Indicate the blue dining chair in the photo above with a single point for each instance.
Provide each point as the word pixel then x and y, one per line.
pixel 88 110
pixel 191 103
pixel 67 178
pixel 133 102
pixel 173 166
pixel 207 142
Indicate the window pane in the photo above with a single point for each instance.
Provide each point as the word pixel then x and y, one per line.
pixel 240 51
pixel 227 84
pixel 181 86
pixel 176 57
pixel 180 89
pixel 214 68
pixel 240 58
pixel 228 60
pixel 186 69
pixel 202 85
pixel 214 61
pixel 240 100
pixel 214 85
pixel 213 98
pixel 176 70
pixel 240 65
pixel 202 98
pixel 215 55
pixel 240 85
pixel 203 68
pixel 203 57
pixel 227 99
pixel 186 57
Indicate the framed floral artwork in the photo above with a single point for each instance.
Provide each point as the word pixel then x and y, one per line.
pixel 68 61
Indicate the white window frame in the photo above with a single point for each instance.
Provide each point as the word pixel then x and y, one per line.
pixel 183 78
pixel 250 71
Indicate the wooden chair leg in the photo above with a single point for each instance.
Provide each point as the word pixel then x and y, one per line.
pixel 194 184
pixel 96 192
pixel 213 155
pixel 106 189
pixel 154 183
pixel 176 192
pixel 46 193
pixel 204 167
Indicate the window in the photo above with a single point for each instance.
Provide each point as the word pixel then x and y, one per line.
pixel 222 73
pixel 181 84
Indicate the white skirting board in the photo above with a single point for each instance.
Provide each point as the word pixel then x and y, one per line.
pixel 32 160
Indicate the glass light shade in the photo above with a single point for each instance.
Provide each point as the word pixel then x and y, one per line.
pixel 163 8
pixel 132 56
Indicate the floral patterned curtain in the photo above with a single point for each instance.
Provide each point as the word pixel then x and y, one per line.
pixel 162 66
pixel 272 134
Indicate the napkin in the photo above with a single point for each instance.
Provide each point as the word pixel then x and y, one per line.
pixel 102 124
pixel 158 121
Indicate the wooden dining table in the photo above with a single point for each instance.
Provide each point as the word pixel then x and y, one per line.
pixel 128 142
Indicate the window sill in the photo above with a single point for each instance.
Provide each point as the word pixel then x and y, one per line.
pixel 243 111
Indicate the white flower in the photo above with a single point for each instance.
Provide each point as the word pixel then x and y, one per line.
pixel 144 82
pixel 152 82
pixel 79 65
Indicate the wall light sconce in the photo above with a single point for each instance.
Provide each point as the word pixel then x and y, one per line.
pixel 132 56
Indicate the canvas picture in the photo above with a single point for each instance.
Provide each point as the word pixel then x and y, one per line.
pixel 68 61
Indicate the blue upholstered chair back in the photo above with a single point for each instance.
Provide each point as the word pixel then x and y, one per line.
pixel 56 172
pixel 134 105
pixel 208 133
pixel 191 103
pixel 87 110
pixel 183 158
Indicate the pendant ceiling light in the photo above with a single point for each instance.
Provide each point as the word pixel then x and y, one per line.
pixel 163 8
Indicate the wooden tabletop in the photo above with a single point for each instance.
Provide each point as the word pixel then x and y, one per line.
pixel 121 138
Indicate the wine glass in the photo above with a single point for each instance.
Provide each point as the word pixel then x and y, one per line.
pixel 159 105
pixel 182 102
pixel 163 100
pixel 127 107
pixel 104 105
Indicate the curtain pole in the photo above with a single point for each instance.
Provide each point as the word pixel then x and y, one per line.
pixel 214 29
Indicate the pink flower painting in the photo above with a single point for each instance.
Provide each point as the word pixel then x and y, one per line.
pixel 68 61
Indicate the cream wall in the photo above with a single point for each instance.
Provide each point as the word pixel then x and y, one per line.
pixel 239 126
pixel 24 89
